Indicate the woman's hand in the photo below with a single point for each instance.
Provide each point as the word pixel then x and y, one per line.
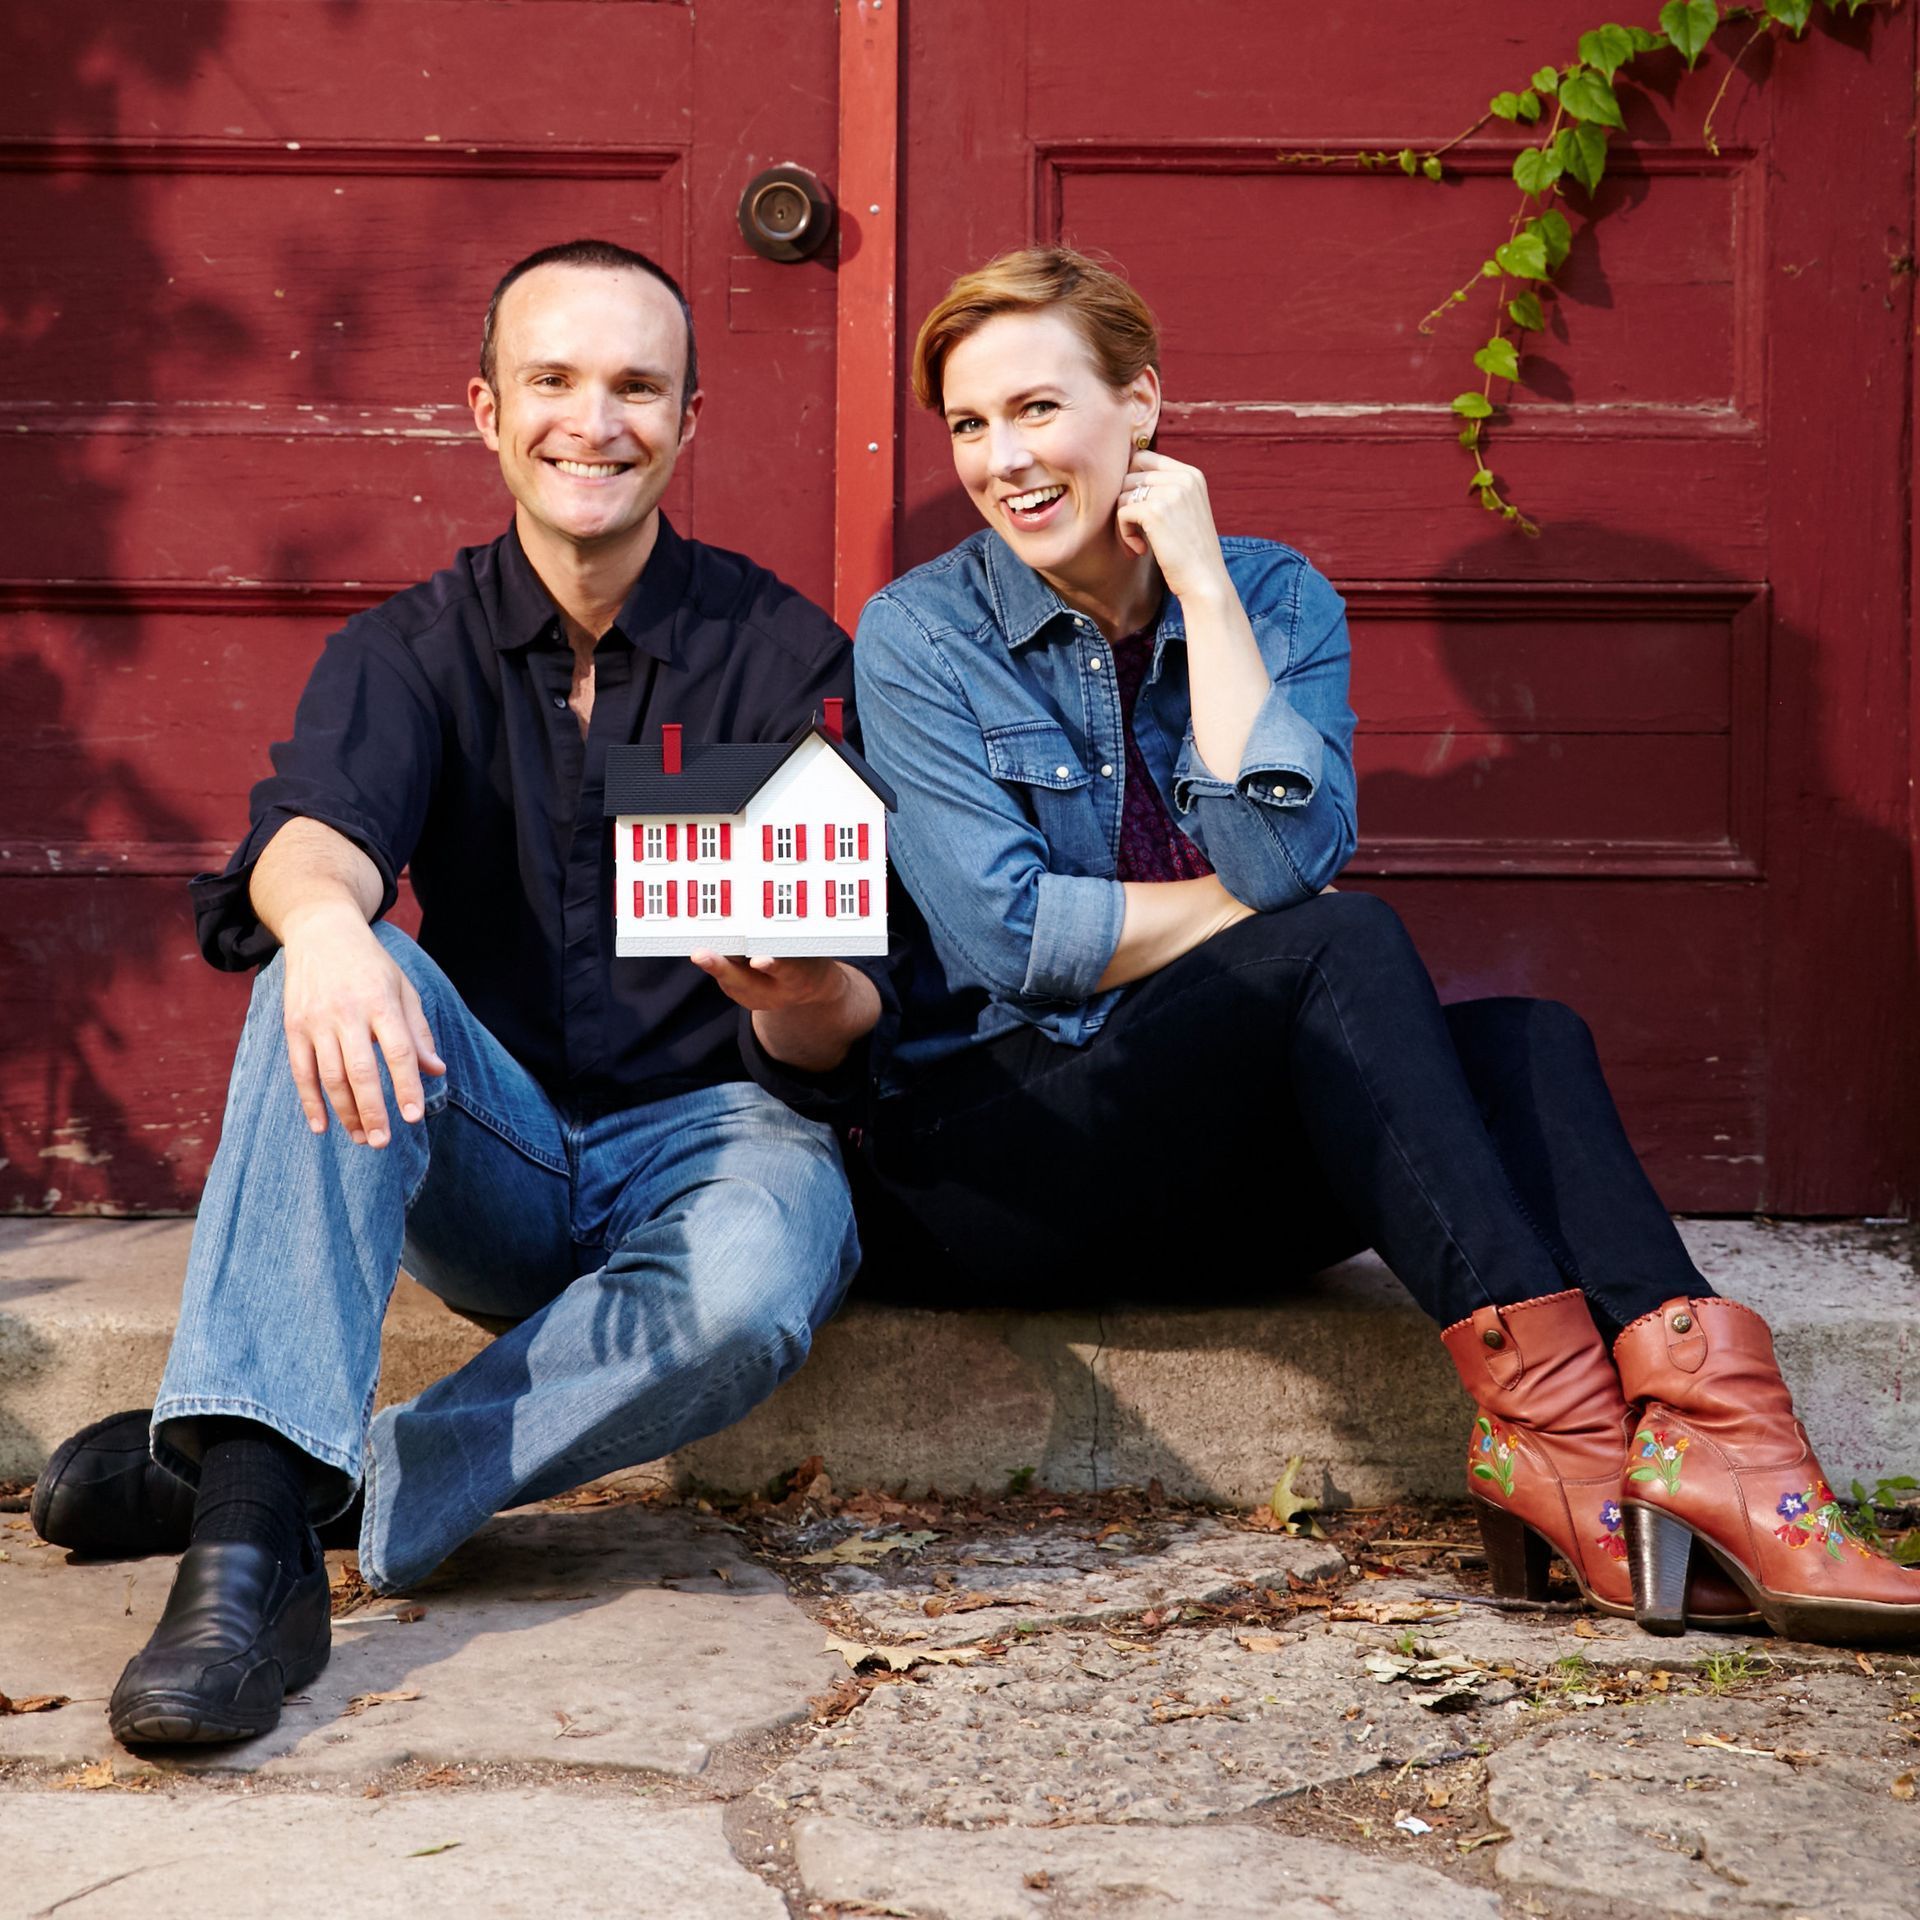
pixel 1164 508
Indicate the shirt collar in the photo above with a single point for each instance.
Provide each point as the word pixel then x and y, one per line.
pixel 648 616
pixel 1023 603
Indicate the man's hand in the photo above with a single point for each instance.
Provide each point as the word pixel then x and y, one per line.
pixel 806 1012
pixel 345 998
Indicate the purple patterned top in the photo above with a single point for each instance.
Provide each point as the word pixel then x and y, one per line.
pixel 1151 846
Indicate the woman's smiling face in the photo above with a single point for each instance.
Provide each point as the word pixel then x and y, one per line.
pixel 1041 441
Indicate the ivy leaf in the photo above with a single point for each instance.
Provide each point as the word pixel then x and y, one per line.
pixel 1498 358
pixel 1554 235
pixel 1505 105
pixel 1644 40
pixel 1585 155
pixel 1535 171
pixel 1524 256
pixel 1792 14
pixel 1609 48
pixel 1588 97
pixel 1482 477
pixel 1490 269
pixel 1472 406
pixel 1524 311
pixel 1547 79
pixel 1529 105
pixel 1689 25
pixel 1431 167
pixel 1408 164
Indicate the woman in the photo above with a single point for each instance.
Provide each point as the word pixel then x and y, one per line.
pixel 1149 1036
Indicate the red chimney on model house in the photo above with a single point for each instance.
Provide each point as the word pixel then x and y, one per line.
pixel 670 747
pixel 832 725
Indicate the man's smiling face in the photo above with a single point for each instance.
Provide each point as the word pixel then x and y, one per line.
pixel 587 413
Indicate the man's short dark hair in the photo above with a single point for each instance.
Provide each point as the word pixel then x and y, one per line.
pixel 587 253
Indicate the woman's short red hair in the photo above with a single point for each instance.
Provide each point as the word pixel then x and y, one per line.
pixel 1119 327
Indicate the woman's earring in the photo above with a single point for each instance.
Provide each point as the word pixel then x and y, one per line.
pixel 1141 442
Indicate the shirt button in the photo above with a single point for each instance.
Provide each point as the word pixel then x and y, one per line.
pixel 1096 663
pixel 1062 773
pixel 559 699
pixel 1106 773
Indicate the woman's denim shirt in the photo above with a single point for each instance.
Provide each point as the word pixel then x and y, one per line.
pixel 990 708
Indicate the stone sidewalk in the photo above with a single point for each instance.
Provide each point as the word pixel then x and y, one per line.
pixel 1017 1709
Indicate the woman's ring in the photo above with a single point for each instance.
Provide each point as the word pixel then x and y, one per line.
pixel 1138 494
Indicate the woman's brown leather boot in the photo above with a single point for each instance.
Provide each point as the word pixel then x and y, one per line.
pixel 1720 1458
pixel 1548 1449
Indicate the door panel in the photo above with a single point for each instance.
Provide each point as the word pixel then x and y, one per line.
pixel 259 236
pixel 1652 763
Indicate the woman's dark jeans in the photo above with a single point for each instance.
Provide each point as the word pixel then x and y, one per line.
pixel 1286 1094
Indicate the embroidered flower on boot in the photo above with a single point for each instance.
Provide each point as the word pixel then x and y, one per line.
pixel 1491 1454
pixel 1660 1455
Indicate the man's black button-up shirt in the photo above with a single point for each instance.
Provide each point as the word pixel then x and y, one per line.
pixel 435 734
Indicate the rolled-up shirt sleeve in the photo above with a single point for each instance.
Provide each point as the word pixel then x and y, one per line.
pixel 363 760
pixel 968 853
pixel 1285 825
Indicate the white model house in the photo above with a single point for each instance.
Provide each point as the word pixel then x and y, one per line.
pixel 748 847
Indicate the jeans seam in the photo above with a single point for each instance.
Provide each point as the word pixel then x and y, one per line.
pixel 501 1130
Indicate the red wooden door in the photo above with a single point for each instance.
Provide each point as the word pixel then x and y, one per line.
pixel 249 244
pixel 1655 762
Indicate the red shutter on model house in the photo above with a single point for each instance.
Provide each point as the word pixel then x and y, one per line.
pixel 726 895
pixel 863 843
pixel 766 906
pixel 673 894
pixel 639 844
pixel 673 842
pixel 639 897
pixel 865 893
pixel 800 898
pixel 828 831
pixel 693 845
pixel 799 843
pixel 766 847
pixel 832 893
pixel 726 841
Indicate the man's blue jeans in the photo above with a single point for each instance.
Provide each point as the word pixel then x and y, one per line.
pixel 669 1266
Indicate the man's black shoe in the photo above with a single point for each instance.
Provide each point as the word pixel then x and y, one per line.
pixel 240 1632
pixel 103 1495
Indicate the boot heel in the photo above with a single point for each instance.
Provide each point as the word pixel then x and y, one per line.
pixel 1517 1557
pixel 1658 1549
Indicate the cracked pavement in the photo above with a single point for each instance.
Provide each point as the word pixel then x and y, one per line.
pixel 965 1710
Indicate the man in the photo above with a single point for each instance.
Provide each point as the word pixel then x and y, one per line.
pixel 550 1136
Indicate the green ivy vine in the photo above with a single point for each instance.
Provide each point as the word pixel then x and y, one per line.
pixel 1577 108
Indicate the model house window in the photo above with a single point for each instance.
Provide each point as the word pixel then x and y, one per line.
pixel 846 843
pixel 712 902
pixel 783 899
pixel 709 843
pixel 843 896
pixel 653 843
pixel 652 899
pixel 782 844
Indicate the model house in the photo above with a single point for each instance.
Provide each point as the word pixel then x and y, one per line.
pixel 749 847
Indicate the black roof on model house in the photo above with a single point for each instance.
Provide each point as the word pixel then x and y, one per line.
pixel 719 778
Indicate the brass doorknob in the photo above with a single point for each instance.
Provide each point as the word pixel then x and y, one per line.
pixel 786 213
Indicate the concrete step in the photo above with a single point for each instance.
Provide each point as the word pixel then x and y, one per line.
pixel 1210 1401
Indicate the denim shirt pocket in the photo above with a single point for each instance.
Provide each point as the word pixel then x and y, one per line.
pixel 1047 773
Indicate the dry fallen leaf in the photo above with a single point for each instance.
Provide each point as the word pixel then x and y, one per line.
pixel 33 1703
pixel 859 1550
pixel 1039 1881
pixel 362 1701
pixel 91 1778
pixel 898 1659
pixel 1865 1665
pixel 1586 1630
pixel 970 1602
pixel 426 1853
pixel 408 1615
pixel 1395 1613
pixel 1262 1642
pixel 1902 1788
